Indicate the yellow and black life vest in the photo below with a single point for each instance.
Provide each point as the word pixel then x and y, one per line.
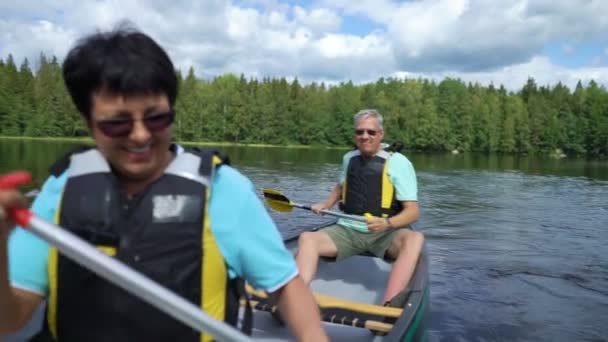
pixel 367 188
pixel 163 232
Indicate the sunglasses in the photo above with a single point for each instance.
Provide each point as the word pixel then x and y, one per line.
pixel 370 132
pixel 115 128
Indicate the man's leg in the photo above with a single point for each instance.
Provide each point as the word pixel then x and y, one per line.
pixel 312 245
pixel 332 242
pixel 405 248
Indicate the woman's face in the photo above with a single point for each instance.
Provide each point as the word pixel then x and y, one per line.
pixel 133 133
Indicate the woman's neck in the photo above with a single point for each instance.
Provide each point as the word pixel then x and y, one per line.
pixel 135 186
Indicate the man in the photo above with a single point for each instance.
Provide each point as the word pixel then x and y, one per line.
pixel 180 217
pixel 376 182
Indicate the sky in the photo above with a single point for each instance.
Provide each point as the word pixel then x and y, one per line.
pixel 485 41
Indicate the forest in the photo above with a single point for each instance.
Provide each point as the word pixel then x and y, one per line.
pixel 424 115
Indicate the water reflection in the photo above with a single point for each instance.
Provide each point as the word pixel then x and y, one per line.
pixel 38 155
pixel 32 155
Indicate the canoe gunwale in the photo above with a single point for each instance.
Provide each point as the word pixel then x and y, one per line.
pixel 416 303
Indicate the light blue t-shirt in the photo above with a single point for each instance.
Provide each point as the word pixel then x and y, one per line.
pixel 245 233
pixel 400 172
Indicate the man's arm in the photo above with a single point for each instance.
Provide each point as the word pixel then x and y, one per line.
pixel 299 309
pixel 333 198
pixel 410 213
pixel 403 177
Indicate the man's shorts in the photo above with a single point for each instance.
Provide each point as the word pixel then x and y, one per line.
pixel 352 242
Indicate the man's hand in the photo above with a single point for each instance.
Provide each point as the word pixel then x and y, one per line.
pixel 377 224
pixel 317 207
pixel 331 200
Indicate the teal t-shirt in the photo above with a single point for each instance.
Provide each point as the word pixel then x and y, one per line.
pixel 245 233
pixel 400 172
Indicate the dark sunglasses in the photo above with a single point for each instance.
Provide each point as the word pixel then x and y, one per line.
pixel 115 128
pixel 370 132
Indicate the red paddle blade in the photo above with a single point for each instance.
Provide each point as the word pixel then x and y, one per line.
pixel 14 179
pixel 11 181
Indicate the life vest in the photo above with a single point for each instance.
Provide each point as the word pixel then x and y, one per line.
pixel 163 232
pixel 368 188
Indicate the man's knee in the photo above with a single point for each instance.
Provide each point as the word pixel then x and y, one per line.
pixel 319 243
pixel 416 238
pixel 408 239
pixel 309 241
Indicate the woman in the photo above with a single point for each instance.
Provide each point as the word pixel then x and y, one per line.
pixel 163 210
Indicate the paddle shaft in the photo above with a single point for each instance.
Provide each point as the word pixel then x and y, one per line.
pixel 280 202
pixel 121 275
pixel 134 282
pixel 343 320
pixel 332 213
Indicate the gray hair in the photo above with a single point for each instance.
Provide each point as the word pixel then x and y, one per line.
pixel 369 113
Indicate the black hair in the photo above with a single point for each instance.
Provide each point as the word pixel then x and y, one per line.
pixel 123 61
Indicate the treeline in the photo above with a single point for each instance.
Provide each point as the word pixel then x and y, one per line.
pixel 423 114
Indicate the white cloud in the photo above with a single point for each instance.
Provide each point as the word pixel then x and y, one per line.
pixel 322 20
pixel 473 35
pixel 28 40
pixel 477 40
pixel 514 76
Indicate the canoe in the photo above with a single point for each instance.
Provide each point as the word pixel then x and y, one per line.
pixel 356 282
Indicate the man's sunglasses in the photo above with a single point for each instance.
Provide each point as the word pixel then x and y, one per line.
pixel 370 132
pixel 115 128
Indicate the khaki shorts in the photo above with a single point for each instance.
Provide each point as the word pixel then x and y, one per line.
pixel 351 242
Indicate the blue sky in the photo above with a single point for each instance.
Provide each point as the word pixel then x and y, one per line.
pixel 500 42
pixel 359 25
pixel 590 53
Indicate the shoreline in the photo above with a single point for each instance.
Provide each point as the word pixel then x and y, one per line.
pixel 187 143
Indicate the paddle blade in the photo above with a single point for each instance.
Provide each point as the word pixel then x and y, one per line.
pixel 277 201
pixel 10 181
pixel 279 206
pixel 14 179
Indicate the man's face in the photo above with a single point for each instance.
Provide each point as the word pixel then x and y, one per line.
pixel 140 152
pixel 368 136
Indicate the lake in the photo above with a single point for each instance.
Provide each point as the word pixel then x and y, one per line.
pixel 518 245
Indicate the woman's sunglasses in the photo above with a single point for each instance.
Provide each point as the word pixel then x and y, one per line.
pixel 370 132
pixel 115 128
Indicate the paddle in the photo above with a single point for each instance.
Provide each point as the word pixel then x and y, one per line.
pixel 343 320
pixel 117 272
pixel 279 202
pixel 328 302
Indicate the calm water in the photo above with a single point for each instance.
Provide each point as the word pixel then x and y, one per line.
pixel 518 246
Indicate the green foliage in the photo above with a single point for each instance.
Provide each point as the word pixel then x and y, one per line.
pixel 424 115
